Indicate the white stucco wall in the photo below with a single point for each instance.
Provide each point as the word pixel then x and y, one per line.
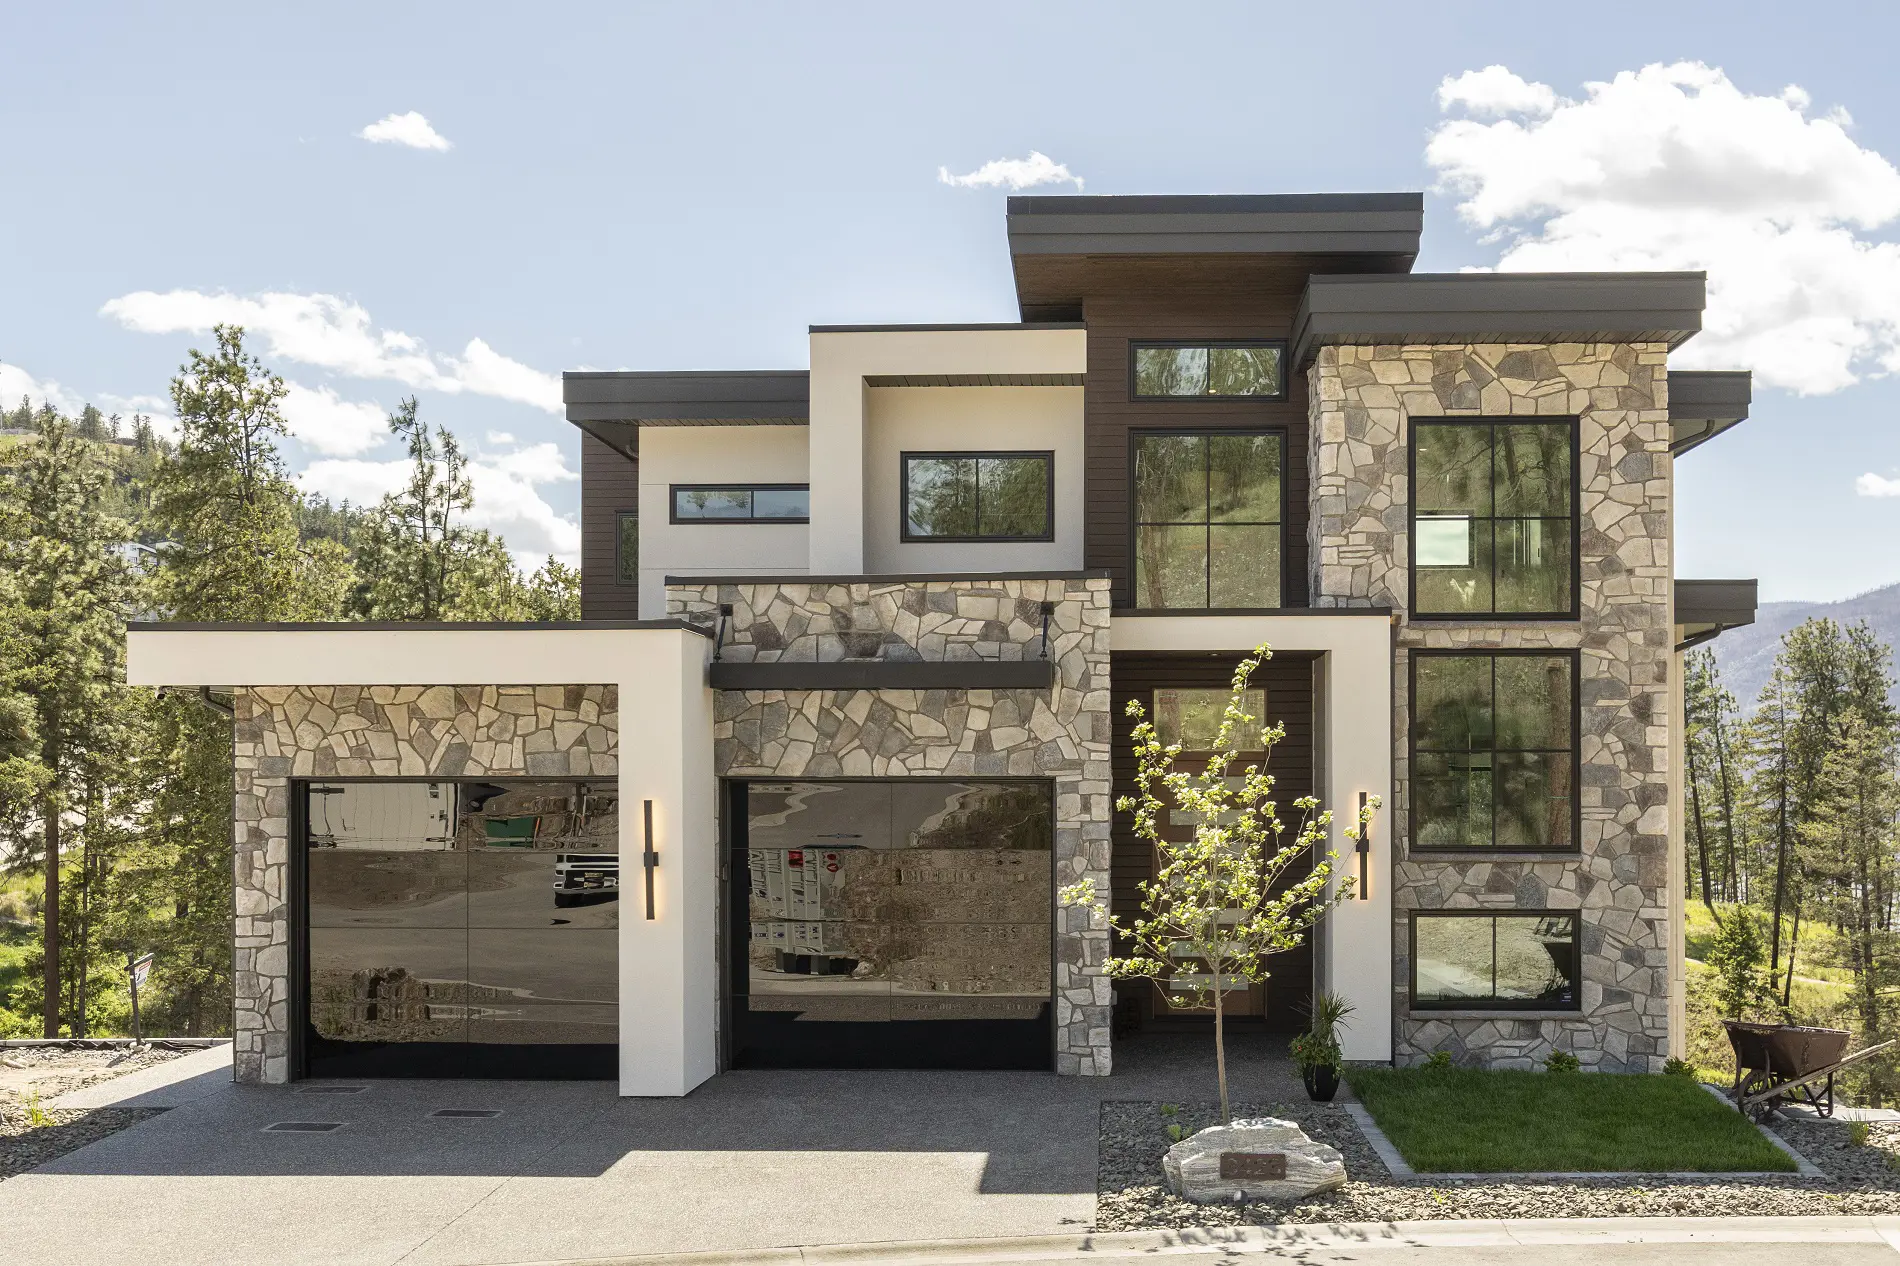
pixel 717 455
pixel 970 419
pixel 1353 733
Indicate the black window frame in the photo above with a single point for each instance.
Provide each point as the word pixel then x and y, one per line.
pixel 1047 456
pixel 1137 346
pixel 1135 436
pixel 1575 1006
pixel 1575 589
pixel 621 518
pixel 1494 653
pixel 674 490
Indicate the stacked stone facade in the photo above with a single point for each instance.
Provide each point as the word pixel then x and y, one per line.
pixel 285 733
pixel 1061 734
pixel 1363 399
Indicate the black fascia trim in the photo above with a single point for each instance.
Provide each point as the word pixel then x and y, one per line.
pixel 1705 403
pixel 734 395
pixel 1135 435
pixel 904 535
pixel 926 329
pixel 881 674
pixel 1383 613
pixel 1492 1004
pixel 1575 612
pixel 893 578
pixel 1476 851
pixel 1135 346
pixel 419 626
pixel 672 503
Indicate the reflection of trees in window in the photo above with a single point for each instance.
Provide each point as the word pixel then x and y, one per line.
pixel 1192 717
pixel 1493 517
pixel 1197 371
pixel 627 547
pixel 1493 754
pixel 765 503
pixel 1208 519
pixel 997 815
pixel 1524 961
pixel 977 496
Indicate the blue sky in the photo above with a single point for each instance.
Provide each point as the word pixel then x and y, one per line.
pixel 689 186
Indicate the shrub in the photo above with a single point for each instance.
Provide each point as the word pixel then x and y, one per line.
pixel 1561 1062
pixel 1678 1068
pixel 1857 1132
pixel 1438 1059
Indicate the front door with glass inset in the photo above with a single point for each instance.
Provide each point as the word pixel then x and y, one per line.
pixel 460 928
pixel 892 924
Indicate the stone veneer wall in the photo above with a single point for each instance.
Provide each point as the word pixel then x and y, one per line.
pixel 1362 398
pixel 1061 734
pixel 373 732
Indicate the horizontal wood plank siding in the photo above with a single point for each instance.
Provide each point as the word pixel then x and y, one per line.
pixel 610 483
pixel 1288 681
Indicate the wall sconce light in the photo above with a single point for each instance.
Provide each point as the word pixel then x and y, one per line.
pixel 649 859
pixel 1365 847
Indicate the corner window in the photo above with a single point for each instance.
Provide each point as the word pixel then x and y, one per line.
pixel 1199 371
pixel 1494 518
pixel 1494 751
pixel 1522 961
pixel 1208 519
pixel 627 547
pixel 730 503
pixel 979 496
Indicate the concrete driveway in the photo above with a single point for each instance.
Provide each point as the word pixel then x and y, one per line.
pixel 568 1169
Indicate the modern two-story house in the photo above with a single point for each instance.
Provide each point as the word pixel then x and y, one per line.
pixel 847 706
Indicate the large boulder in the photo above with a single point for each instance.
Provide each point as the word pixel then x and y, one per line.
pixel 1266 1159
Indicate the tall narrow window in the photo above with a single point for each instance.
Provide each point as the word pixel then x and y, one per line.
pixel 1198 371
pixel 627 547
pixel 1494 527
pixel 1208 519
pixel 1494 759
pixel 979 496
pixel 1522 961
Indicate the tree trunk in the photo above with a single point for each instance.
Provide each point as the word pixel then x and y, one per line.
pixel 1730 889
pixel 49 808
pixel 1701 833
pixel 1220 1050
pixel 1781 869
pixel 1794 938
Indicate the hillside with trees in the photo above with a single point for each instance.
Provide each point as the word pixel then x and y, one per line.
pixel 115 801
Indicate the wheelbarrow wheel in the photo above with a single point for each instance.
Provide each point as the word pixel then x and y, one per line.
pixel 1754 1083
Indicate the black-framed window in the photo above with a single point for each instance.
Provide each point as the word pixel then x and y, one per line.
pixel 1494 517
pixel 1518 960
pixel 1208 519
pixel 741 503
pixel 972 496
pixel 627 547
pixel 1494 750
pixel 1246 369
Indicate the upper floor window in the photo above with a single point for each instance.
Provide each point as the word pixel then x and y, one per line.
pixel 979 496
pixel 1208 519
pixel 1494 518
pixel 1494 750
pixel 742 503
pixel 1198 371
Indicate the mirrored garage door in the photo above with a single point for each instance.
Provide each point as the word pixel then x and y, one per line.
pixel 892 924
pixel 461 929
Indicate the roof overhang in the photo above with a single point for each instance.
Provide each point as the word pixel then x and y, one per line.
pixel 1705 609
pixel 1423 308
pixel 1705 403
pixel 1050 235
pixel 612 405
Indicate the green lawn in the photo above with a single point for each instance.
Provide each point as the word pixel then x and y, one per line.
pixel 1468 1120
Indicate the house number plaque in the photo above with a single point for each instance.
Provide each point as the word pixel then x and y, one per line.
pixel 1270 1166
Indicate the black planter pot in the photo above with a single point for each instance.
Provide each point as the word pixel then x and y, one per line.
pixel 1322 1082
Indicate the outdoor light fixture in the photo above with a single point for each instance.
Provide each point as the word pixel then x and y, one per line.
pixel 1365 848
pixel 649 859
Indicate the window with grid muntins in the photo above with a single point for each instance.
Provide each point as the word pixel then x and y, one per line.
pixel 1208 519
pixel 1494 528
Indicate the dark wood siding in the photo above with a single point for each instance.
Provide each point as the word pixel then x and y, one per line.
pixel 1202 297
pixel 1288 681
pixel 610 483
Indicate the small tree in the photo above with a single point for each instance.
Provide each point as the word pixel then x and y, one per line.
pixel 1213 897
pixel 1740 961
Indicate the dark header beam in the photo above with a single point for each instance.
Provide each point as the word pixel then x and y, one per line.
pixel 884 674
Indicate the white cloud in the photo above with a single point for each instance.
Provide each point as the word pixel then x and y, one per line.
pixel 1674 167
pixel 1872 485
pixel 409 129
pixel 1016 173
pixel 331 425
pixel 1495 91
pixel 508 501
pixel 16 382
pixel 500 437
pixel 332 333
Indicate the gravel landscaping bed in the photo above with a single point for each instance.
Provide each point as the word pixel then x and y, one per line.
pixel 24 1146
pixel 53 1070
pixel 31 1075
pixel 1130 1195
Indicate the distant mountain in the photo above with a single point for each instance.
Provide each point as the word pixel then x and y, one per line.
pixel 1747 655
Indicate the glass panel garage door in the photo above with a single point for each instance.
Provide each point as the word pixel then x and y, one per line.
pixel 892 924
pixel 461 929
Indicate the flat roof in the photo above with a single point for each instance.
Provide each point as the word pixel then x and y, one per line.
pixel 1703 403
pixel 688 397
pixel 927 328
pixel 1707 608
pixel 1623 307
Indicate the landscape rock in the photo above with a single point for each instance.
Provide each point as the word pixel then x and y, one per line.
pixel 1193 1165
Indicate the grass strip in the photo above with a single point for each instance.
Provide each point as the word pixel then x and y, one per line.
pixel 1470 1120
